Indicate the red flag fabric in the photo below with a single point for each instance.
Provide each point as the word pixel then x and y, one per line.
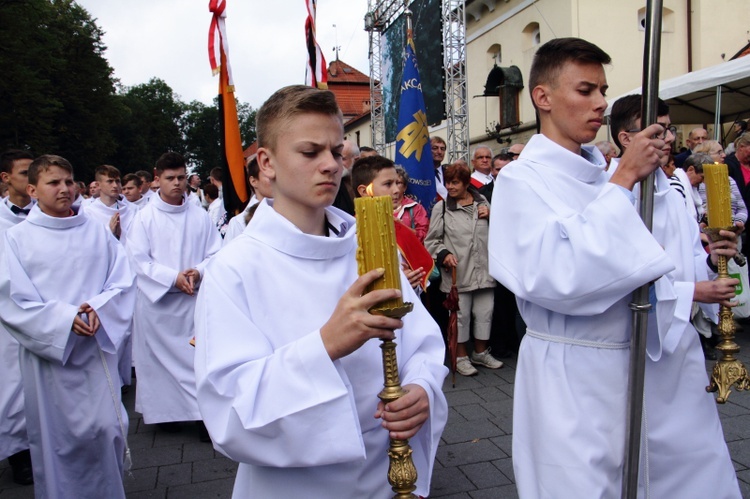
pixel 234 186
pixel 317 70
pixel 413 251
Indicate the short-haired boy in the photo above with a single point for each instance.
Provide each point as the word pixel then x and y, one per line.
pixel 377 176
pixel 685 443
pixel 131 189
pixel 69 324
pixel 14 444
pixel 111 208
pixel 568 242
pixel 169 245
pixel 288 365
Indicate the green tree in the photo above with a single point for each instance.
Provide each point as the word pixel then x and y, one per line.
pixel 201 132
pixel 149 126
pixel 200 129
pixel 57 88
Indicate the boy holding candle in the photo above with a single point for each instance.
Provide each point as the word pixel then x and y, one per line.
pixel 686 449
pixel 377 176
pixel 569 243
pixel 291 393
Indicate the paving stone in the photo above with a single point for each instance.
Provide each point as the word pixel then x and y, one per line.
pixel 158 456
pixel 744 489
pixel 198 451
pixel 484 475
pixel 26 492
pixel 174 474
pixel 744 476
pixel 188 433
pixel 449 482
pixel 461 495
pixel 462 383
pixel 469 431
pixel 730 409
pixel 469 452
pixel 454 416
pixel 462 397
pixel 506 468
pixel 491 393
pixel 140 479
pixel 214 489
pixel 472 412
pixel 504 492
pixel 148 494
pixel 504 443
pixel 143 440
pixel 214 469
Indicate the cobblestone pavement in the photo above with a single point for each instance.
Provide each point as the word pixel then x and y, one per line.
pixel 473 461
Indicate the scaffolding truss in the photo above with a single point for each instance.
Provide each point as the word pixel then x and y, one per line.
pixel 380 15
pixel 454 64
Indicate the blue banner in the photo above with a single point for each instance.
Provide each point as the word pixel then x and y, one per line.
pixel 413 151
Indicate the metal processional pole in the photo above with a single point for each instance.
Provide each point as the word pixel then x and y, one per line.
pixel 640 305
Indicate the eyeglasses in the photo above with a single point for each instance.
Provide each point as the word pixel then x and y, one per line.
pixel 663 135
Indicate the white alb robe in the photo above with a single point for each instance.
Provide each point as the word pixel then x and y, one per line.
pixel 300 424
pixel 141 202
pixel 13 436
pixel 101 213
pixel 687 455
pixel 77 424
pixel 572 248
pixel 237 224
pixel 165 240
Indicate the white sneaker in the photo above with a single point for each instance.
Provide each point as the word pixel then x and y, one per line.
pixel 486 360
pixel 464 367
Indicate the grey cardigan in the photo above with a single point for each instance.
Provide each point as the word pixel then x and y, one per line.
pixel 458 230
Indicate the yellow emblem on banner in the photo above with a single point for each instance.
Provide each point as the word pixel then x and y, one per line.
pixel 415 136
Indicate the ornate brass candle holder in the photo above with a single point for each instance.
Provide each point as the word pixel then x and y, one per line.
pixel 376 236
pixel 728 370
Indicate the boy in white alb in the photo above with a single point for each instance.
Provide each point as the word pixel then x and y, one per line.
pixel 69 324
pixel 111 208
pixel 291 393
pixel 566 239
pixel 169 245
pixel 14 444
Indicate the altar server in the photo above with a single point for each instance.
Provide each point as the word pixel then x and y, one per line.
pixel 14 444
pixel 569 243
pixel 288 364
pixel 69 324
pixel 169 245
pixel 111 208
pixel 686 451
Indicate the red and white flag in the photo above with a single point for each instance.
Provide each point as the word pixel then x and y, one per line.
pixel 317 70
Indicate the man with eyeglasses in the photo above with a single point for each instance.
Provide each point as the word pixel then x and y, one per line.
pixel 481 161
pixel 684 433
pixel 696 136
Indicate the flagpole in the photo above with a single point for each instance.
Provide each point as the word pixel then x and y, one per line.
pixel 641 305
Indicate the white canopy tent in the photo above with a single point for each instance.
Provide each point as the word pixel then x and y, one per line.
pixel 694 97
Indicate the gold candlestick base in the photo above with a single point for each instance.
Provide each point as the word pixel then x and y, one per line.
pixel 728 370
pixel 402 474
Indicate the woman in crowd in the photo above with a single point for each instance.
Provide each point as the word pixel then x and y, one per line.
pixel 457 238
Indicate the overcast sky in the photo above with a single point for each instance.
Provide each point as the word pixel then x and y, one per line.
pixel 168 39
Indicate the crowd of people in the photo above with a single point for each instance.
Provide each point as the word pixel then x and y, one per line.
pixel 257 325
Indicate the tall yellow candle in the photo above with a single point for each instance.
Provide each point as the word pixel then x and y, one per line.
pixel 718 195
pixel 376 237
